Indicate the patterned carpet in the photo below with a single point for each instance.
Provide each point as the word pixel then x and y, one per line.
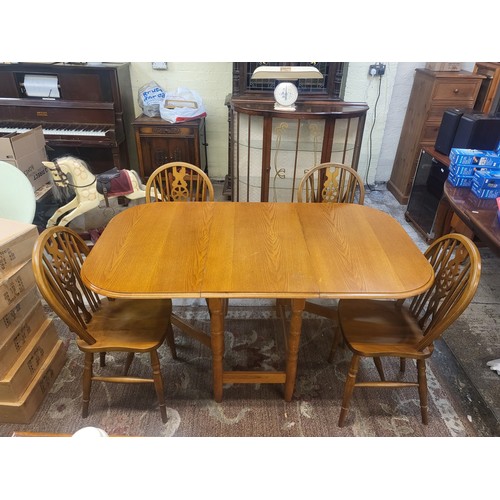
pixel 253 339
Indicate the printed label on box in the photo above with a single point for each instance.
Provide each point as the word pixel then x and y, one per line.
pixel 17 240
pixel 12 287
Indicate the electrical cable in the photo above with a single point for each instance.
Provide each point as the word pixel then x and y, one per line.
pixel 371 132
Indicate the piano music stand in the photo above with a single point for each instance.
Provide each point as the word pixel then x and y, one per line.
pixel 17 197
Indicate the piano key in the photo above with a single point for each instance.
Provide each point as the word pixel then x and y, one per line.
pixel 51 131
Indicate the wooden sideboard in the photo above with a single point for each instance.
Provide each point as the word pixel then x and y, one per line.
pixel 433 92
pixel 270 150
pixel 159 142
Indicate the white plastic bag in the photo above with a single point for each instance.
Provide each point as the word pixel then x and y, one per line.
pixel 181 106
pixel 151 96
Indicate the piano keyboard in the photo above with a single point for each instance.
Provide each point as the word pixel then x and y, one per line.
pixel 56 131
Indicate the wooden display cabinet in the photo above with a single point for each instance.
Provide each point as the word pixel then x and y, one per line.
pixel 433 92
pixel 159 142
pixel 270 150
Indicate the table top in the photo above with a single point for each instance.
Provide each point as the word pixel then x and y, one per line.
pixel 265 250
pixel 481 215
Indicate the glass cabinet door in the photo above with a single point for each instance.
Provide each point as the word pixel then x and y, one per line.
pixel 270 154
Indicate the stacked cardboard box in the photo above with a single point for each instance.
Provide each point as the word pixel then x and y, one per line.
pixel 26 151
pixel 31 354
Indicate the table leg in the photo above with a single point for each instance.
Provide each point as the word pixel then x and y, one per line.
pixel 297 306
pixel 216 307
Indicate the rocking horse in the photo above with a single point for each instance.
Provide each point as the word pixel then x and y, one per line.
pixel 71 173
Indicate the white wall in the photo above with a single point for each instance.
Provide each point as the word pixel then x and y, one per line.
pixel 213 81
pixel 376 92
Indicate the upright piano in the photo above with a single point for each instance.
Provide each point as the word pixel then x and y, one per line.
pixel 85 109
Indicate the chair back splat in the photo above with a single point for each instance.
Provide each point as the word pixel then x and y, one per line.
pixel 179 181
pixel 57 264
pixel 331 183
pixel 457 269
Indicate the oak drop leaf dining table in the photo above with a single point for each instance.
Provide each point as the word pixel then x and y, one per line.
pixel 224 250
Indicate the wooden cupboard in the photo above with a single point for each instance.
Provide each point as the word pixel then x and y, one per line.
pixel 159 142
pixel 433 92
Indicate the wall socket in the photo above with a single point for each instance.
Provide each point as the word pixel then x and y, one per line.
pixel 159 65
pixel 376 69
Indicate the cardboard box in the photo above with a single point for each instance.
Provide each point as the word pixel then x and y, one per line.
pixel 460 180
pixel 15 382
pixel 443 66
pixel 14 286
pixel 13 345
pixel 23 410
pixel 17 240
pixel 462 170
pixel 486 184
pixel 16 315
pixel 26 151
pixel 476 157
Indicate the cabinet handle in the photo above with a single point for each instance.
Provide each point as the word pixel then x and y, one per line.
pixel 455 91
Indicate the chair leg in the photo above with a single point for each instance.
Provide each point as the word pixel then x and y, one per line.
pixel 422 390
pixel 380 369
pixel 348 389
pixel 128 362
pixel 402 365
pixel 171 341
pixel 158 383
pixel 337 339
pixel 102 359
pixel 87 383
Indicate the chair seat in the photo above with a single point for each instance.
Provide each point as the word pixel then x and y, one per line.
pixel 380 328
pixel 140 325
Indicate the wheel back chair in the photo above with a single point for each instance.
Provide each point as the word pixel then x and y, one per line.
pixel 100 324
pixel 407 329
pixel 328 183
pixel 331 183
pixel 181 181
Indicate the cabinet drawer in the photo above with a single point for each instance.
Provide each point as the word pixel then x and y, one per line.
pixel 167 130
pixel 430 132
pixel 436 112
pixel 455 91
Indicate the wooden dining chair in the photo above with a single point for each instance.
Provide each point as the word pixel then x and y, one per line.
pixel 179 181
pixel 100 324
pixel 331 183
pixel 407 329
pixel 328 183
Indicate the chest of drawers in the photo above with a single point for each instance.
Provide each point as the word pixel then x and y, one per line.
pixel 433 92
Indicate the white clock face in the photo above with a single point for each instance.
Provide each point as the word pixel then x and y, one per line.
pixel 286 93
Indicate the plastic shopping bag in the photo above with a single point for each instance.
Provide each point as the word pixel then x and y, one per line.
pixel 181 106
pixel 151 96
